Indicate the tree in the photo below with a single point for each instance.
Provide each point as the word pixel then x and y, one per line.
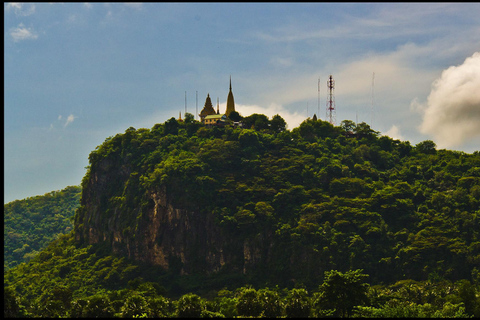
pixel 278 124
pixel 348 125
pixel 171 126
pixel 272 303
pixel 10 303
pixel 297 304
pixel 248 303
pixel 363 130
pixel 343 291
pixel 427 147
pixel 189 118
pixel 256 121
pixel 190 306
pixel 135 305
pixel 98 306
pixel 235 116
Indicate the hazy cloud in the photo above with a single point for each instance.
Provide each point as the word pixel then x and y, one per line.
pixel 134 5
pixel 21 9
pixel 69 120
pixel 452 111
pixel 394 133
pixel 22 33
pixel 293 119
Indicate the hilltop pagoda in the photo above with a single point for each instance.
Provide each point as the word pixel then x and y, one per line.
pixel 209 116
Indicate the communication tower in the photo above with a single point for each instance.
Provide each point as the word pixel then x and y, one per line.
pixel 331 100
pixel 318 111
pixel 373 100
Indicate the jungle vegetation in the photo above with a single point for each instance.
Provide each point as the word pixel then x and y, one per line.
pixel 390 229
pixel 32 223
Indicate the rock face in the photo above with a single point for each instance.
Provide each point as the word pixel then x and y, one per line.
pixel 156 232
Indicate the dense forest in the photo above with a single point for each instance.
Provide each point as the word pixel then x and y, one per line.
pixel 31 224
pixel 345 222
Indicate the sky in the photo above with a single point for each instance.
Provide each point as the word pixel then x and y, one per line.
pixel 78 73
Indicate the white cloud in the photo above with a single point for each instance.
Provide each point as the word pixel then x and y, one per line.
pixel 69 120
pixel 21 9
pixel 394 133
pixel 134 5
pixel 22 33
pixel 452 111
pixel 292 119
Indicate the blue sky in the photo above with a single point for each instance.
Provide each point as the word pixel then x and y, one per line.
pixel 75 74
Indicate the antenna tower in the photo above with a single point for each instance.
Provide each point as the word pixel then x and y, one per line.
pixel 196 104
pixel 318 97
pixel 373 83
pixel 331 101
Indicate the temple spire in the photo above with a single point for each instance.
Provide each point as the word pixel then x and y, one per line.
pixel 230 100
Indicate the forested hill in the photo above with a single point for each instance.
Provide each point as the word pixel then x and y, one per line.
pixel 283 206
pixel 182 208
pixel 30 224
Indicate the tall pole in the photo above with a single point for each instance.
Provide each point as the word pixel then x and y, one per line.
pixel 318 98
pixel 373 83
pixel 185 103
pixel 196 104
pixel 331 101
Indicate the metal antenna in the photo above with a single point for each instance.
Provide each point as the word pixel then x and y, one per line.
pixel 318 97
pixel 373 100
pixel 196 104
pixel 331 101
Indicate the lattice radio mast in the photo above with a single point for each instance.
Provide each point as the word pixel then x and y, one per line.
pixel 331 101
pixel 318 97
pixel 373 100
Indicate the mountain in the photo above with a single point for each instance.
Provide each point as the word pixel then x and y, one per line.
pixel 30 224
pixel 183 208
pixel 283 206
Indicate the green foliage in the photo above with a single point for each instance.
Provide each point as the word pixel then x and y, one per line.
pixel 308 206
pixel 298 304
pixel 248 303
pixel 32 223
pixel 343 291
pixel 190 306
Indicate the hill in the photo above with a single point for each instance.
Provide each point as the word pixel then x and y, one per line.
pixel 189 208
pixel 258 201
pixel 32 223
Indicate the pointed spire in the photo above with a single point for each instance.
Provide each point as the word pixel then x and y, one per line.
pixel 230 100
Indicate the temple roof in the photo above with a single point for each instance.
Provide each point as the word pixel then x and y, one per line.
pixel 208 108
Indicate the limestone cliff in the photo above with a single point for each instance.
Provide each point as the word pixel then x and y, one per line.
pixel 157 232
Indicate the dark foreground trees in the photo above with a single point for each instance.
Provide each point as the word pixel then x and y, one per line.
pixel 340 295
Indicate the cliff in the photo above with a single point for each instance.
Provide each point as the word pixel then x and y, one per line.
pixel 144 224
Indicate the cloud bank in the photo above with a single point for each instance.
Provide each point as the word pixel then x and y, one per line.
pixel 293 119
pixel 452 112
